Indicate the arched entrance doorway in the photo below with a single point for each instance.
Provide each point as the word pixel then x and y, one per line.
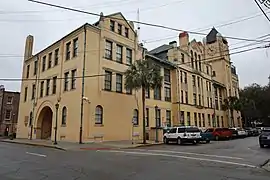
pixel 44 123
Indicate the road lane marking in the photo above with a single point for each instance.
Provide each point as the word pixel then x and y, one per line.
pixel 36 154
pixel 182 157
pixel 190 153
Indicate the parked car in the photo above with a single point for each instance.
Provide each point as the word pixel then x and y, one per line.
pixel 264 138
pixel 182 134
pixel 252 131
pixel 206 136
pixel 220 133
pixel 239 132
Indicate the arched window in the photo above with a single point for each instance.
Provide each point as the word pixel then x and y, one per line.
pixel 136 117
pixel 30 119
pixel 64 116
pixel 99 115
pixel 195 54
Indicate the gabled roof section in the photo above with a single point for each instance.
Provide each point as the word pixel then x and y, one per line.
pixel 160 49
pixel 115 14
pixel 212 36
pixel 166 62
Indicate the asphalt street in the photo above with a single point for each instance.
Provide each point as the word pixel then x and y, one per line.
pixel 225 160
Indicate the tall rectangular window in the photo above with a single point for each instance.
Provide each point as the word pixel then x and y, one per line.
pixel 54 85
pixel 158 119
pixel 119 82
pixel 56 57
pixel 218 121
pixel 129 56
pixel 47 87
pixel 200 63
pixel 195 119
pixel 25 93
pixel 41 88
pixel 167 75
pixel 194 98
pixel 183 57
pixel 185 77
pixel 35 67
pixel 211 102
pixel 182 96
pixel 66 81
pixel 203 120
pixel 198 81
pixel 119 53
pixel 43 63
pixel 112 25
pixel 200 120
pixel 188 119
pixel 222 121
pixel 27 71
pixel 200 100
pixel 73 78
pixel 33 91
pixel 8 114
pixel 168 118
pixel 167 94
pixel 181 76
pixel 126 32
pixel 119 30
pixel 108 50
pixel 75 47
pixel 68 50
pixel 186 95
pixel 182 118
pixel 193 80
pixel 207 70
pixel 157 93
pixel 147 117
pixel 50 61
pixel 108 81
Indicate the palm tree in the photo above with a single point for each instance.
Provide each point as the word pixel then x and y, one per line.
pixel 232 103
pixel 144 75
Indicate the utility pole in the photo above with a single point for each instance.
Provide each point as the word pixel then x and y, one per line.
pixel 83 79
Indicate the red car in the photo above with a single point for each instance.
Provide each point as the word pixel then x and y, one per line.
pixel 220 133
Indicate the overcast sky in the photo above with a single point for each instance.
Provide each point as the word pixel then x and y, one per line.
pixel 19 18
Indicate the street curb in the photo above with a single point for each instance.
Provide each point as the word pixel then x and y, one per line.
pixel 34 144
pixel 142 145
pixel 266 165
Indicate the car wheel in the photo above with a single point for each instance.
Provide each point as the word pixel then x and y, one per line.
pixel 195 142
pixel 216 138
pixel 165 140
pixel 261 146
pixel 207 141
pixel 179 141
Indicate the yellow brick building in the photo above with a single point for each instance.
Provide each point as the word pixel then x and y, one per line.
pixel 78 83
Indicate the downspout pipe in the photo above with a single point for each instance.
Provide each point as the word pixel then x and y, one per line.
pixel 83 82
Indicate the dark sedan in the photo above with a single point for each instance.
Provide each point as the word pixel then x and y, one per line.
pixel 264 138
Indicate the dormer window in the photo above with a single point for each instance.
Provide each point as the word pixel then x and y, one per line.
pixel 120 29
pixel 112 25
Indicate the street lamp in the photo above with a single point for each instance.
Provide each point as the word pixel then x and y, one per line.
pixel 156 110
pixel 56 122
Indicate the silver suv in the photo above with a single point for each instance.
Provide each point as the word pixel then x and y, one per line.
pixel 183 134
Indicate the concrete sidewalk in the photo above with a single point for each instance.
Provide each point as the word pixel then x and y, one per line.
pixel 76 146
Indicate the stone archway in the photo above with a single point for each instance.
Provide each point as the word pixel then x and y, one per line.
pixel 44 123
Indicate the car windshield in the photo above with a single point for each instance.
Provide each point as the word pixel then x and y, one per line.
pixel 192 130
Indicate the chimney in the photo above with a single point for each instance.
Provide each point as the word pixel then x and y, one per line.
pixel 28 52
pixel 183 40
pixel 173 44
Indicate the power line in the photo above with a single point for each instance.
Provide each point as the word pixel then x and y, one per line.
pixel 98 75
pixel 262 10
pixel 242 19
pixel 143 23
